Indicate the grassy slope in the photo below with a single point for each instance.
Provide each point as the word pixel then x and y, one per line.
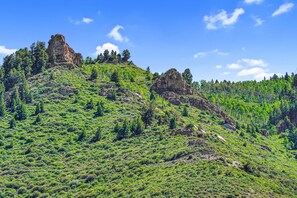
pixel 153 164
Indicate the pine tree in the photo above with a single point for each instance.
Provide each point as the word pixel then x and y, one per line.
pixel 94 74
pixel 139 127
pixel 188 76
pixel 2 100
pixel 90 104
pixel 126 55
pixel 147 117
pixel 100 109
pixel 37 120
pixel 21 112
pixel 41 107
pixel 115 77
pixel 123 131
pixel 185 112
pixel 12 123
pixel 14 99
pixel 37 108
pixel 97 136
pixel 172 124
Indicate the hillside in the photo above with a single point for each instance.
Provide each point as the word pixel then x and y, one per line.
pixel 104 133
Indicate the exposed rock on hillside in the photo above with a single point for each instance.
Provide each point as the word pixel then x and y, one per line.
pixel 60 53
pixel 174 88
pixel 173 81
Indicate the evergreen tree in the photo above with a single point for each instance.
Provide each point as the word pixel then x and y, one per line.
pixel 12 123
pixel 172 124
pixel 148 69
pixel 37 108
pixel 37 120
pixel 147 116
pixel 123 131
pixel 188 76
pixel 2 100
pixel 94 74
pixel 24 92
pixel 97 136
pixel 115 77
pixel 106 55
pixel 185 112
pixel 21 112
pixel 41 107
pixel 138 127
pixel 126 55
pixel 90 104
pixel 81 135
pixel 14 99
pixel 100 109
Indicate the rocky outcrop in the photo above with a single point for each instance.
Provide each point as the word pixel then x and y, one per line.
pixel 60 53
pixel 172 81
pixel 174 88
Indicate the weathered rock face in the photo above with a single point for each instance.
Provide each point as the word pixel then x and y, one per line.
pixel 174 88
pixel 60 53
pixel 173 81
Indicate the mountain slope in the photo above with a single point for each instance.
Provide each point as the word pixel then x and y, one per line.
pixel 56 158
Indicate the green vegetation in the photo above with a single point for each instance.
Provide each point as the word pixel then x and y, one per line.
pixel 99 131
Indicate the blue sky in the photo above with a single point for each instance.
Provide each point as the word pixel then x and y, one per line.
pixel 216 39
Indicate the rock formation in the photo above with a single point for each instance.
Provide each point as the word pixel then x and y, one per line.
pixel 173 81
pixel 175 89
pixel 60 53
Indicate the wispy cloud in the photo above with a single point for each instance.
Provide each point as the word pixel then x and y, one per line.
pixel 206 53
pixel 85 20
pixel 257 72
pixel 225 73
pixel 219 67
pixel 234 66
pixel 222 19
pixel 116 35
pixel 253 1
pixel 106 46
pixel 6 51
pixel 258 21
pixel 286 7
pixel 254 62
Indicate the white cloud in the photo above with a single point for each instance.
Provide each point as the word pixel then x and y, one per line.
pixel 219 67
pixel 115 34
pixel 87 20
pixel 254 62
pixel 258 21
pixel 83 20
pixel 234 66
pixel 253 1
pixel 252 71
pixel 286 7
pixel 106 46
pixel 225 73
pixel 222 19
pixel 5 51
pixel 200 55
pixel 206 53
pixel 263 75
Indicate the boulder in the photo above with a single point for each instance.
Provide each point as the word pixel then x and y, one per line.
pixel 172 81
pixel 60 53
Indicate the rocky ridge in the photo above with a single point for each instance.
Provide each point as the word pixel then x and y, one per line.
pixel 60 53
pixel 175 89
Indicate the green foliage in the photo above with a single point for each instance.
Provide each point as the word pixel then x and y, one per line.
pixel 81 135
pixel 172 124
pixel 188 76
pixel 12 123
pixel 148 116
pixel 185 112
pixel 100 109
pixel 97 136
pixel 115 77
pixel 126 55
pixel 21 112
pixel 94 74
